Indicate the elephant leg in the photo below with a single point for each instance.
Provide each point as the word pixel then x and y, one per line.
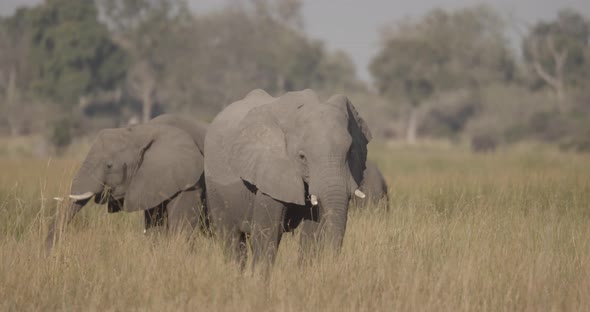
pixel 203 222
pixel 308 240
pixel 154 217
pixel 266 229
pixel 239 249
pixel 184 212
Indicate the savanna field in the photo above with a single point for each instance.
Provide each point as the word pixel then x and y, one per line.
pixel 507 231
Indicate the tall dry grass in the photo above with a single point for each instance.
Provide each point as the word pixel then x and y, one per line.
pixel 507 231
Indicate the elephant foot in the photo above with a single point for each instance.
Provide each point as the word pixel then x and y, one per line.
pixel 236 248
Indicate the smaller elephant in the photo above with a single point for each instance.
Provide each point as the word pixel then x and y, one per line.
pixel 156 167
pixel 373 186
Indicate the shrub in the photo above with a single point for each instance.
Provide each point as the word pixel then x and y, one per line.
pixel 61 135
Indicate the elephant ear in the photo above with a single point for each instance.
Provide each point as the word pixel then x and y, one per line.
pixel 166 167
pixel 259 157
pixel 361 135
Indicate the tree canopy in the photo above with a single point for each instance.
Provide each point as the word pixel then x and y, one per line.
pixel 447 74
pixel 442 51
pixel 71 52
pixel 559 52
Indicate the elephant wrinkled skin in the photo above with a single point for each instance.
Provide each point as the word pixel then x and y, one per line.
pixel 156 167
pixel 275 163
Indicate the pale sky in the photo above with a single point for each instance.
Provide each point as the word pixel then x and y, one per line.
pixel 353 25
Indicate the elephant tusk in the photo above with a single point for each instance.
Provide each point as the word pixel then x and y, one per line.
pixel 359 193
pixel 82 196
pixel 60 199
pixel 314 200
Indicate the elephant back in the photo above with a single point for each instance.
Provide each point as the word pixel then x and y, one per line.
pixel 195 129
pixel 221 131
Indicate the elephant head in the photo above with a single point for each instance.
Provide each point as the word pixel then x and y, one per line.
pixel 135 168
pixel 143 166
pixel 299 150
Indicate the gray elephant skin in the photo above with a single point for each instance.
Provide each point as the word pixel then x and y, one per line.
pixel 373 186
pixel 156 167
pixel 274 164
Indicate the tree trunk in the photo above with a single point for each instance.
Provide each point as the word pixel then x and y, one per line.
pixel 560 81
pixel 412 126
pixel 557 80
pixel 560 94
pixel 281 84
pixel 147 104
pixel 11 103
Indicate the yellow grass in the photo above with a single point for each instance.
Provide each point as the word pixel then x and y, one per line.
pixel 507 231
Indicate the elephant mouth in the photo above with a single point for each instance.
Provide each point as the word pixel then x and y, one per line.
pixel 116 195
pixel 109 194
pixel 312 199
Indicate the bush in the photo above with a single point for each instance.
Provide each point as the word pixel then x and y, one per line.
pixel 61 135
pixel 447 116
pixel 483 143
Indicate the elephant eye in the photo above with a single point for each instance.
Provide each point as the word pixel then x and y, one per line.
pixel 301 155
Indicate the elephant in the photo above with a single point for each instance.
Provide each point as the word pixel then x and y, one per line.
pixel 276 163
pixel 373 186
pixel 156 167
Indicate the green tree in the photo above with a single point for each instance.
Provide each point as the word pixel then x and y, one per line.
pixel 234 50
pixel 14 69
pixel 148 31
pixel 337 73
pixel 71 52
pixel 441 52
pixel 559 53
pixel 293 61
pixel 205 61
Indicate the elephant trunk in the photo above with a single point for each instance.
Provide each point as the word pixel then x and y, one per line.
pixel 333 196
pixel 88 180
pixel 86 184
pixel 61 220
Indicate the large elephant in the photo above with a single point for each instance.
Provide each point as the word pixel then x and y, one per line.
pixel 373 186
pixel 273 163
pixel 156 167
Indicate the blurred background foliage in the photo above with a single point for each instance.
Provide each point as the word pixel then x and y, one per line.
pixel 69 68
